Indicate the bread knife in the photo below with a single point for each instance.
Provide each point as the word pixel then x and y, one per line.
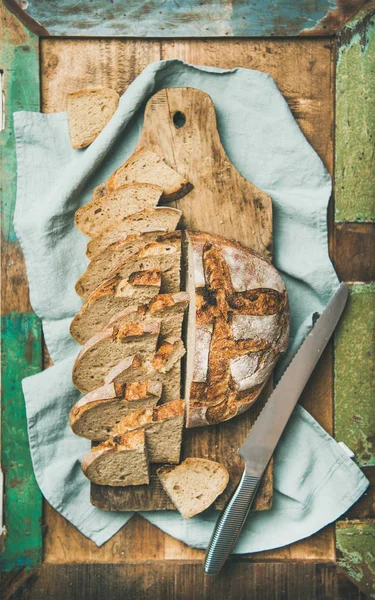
pixel 262 440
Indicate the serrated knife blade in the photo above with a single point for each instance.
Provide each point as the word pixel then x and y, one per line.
pixel 262 440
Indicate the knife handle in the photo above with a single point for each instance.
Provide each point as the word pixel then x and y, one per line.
pixel 230 523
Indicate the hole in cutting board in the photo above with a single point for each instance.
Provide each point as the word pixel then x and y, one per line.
pixel 179 119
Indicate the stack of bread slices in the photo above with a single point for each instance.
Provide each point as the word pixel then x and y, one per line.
pixel 130 323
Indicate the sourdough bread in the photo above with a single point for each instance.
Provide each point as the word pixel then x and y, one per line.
pixel 162 218
pixel 118 463
pixel 194 484
pixel 97 215
pixel 238 325
pixel 164 367
pixel 146 166
pixel 88 112
pixel 169 308
pixel 105 350
pixel 112 297
pixel 163 426
pixel 94 416
pixel 164 254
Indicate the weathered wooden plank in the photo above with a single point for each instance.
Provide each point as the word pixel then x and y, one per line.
pixel 355 244
pixel 356 553
pixel 355 119
pixel 354 374
pixel 182 581
pixel 365 507
pixel 190 18
pixel 21 333
pixel 21 356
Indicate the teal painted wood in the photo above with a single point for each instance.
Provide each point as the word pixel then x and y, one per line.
pixel 21 543
pixel 21 356
pixel 186 18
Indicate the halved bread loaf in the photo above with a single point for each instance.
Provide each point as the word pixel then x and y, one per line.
pixel 164 367
pixel 113 296
pixel 162 218
pixel 99 214
pixel 163 426
pixel 105 350
pixel 169 308
pixel 88 112
pixel 164 254
pixel 145 166
pixel 194 484
pixel 118 463
pixel 94 416
pixel 238 325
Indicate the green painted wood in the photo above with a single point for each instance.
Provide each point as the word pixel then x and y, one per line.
pixel 354 374
pixel 19 61
pixel 356 553
pixel 21 357
pixel 355 120
pixel 21 543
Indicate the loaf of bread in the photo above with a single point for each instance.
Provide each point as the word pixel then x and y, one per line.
pixel 94 416
pixel 163 426
pixel 112 297
pixel 88 112
pixel 146 166
pixel 164 254
pixel 119 462
pixel 97 215
pixel 105 350
pixel 163 219
pixel 238 325
pixel 194 484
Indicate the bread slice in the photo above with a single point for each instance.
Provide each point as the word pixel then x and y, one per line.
pixel 194 484
pixel 97 215
pixel 163 426
pixel 162 218
pixel 146 166
pixel 94 416
pixel 88 112
pixel 113 296
pixel 105 349
pixel 164 367
pixel 163 254
pixel 118 463
pixel 238 324
pixel 102 265
pixel 169 308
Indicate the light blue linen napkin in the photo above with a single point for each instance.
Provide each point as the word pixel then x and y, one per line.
pixel 315 481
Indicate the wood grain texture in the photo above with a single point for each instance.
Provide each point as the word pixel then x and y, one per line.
pixel 355 245
pixel 194 150
pixel 303 71
pixel 186 581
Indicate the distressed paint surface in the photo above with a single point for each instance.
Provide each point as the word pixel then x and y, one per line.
pixel 21 544
pixel 21 356
pixel 355 120
pixel 190 18
pixel 19 59
pixel 356 552
pixel 354 374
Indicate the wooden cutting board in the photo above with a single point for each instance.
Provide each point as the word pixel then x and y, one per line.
pixel 180 126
